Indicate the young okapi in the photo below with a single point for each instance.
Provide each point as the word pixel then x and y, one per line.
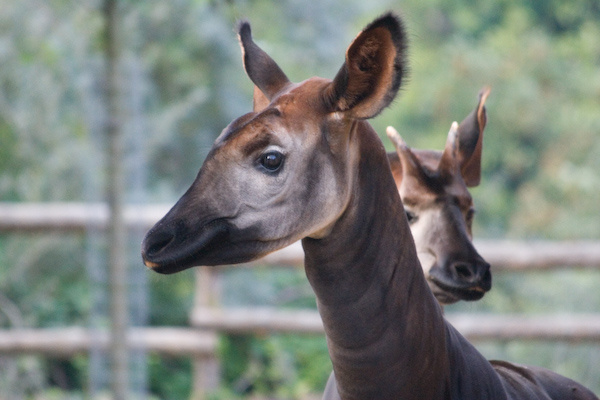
pixel 306 165
pixel 433 186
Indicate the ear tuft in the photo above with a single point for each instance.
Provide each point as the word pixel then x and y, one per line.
pixel 398 32
pixel 375 65
pixel 244 30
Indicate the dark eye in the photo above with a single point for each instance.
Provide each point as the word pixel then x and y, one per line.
pixel 411 216
pixel 469 216
pixel 271 161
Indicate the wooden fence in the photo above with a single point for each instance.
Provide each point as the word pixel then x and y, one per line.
pixel 207 319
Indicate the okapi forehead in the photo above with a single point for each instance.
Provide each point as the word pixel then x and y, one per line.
pixel 293 107
pixel 304 97
pixel 436 182
pixel 245 122
pixel 429 159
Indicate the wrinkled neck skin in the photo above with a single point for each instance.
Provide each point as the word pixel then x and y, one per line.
pixel 372 296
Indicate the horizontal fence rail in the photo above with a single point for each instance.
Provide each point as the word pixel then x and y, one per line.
pixel 40 217
pixel 501 254
pixel 476 327
pixel 73 340
pixel 202 341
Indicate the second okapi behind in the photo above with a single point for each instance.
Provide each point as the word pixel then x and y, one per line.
pixel 305 164
pixel 433 186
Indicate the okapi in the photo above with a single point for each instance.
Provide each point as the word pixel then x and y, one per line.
pixel 305 164
pixel 433 186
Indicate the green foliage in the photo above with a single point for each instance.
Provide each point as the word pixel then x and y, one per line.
pixel 172 298
pixel 287 366
pixel 169 378
pixel 32 271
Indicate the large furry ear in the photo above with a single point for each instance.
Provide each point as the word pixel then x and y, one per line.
pixel 470 138
pixel 371 76
pixel 260 67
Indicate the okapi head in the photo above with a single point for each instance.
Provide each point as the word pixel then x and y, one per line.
pixel 433 187
pixel 286 170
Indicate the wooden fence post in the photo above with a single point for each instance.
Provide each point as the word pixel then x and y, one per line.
pixel 206 369
pixel 115 193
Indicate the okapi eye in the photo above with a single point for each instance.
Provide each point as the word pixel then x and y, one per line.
pixel 271 161
pixel 469 217
pixel 411 216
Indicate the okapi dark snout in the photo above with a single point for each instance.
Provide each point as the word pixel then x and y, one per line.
pixel 454 269
pixel 434 186
pixel 461 274
pixel 173 243
pixel 458 271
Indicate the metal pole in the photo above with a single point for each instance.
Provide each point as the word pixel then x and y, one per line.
pixel 119 352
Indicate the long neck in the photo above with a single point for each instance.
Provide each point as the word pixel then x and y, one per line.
pixel 385 331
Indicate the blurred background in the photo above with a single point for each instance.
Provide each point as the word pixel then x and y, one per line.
pixel 181 82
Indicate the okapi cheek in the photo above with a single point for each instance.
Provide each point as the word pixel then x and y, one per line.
pixel 427 260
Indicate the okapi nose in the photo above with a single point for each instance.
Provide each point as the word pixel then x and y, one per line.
pixel 158 243
pixel 155 241
pixel 475 273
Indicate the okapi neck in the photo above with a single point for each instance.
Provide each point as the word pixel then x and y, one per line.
pixel 385 330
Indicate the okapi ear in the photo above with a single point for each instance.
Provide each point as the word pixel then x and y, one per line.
pixel 470 135
pixel 371 76
pixel 259 66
